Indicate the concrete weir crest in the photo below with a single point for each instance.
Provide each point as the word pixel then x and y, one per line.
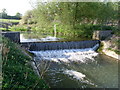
pixel 38 46
pixel 52 45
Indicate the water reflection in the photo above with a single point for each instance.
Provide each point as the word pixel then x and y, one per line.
pixel 48 38
pixel 39 37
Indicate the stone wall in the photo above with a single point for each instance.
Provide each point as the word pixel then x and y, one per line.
pixel 13 36
pixel 101 35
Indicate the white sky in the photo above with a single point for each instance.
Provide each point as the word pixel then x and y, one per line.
pixel 21 6
pixel 14 6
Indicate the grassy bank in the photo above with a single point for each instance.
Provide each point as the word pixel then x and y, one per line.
pixel 16 69
pixel 9 20
pixel 4 22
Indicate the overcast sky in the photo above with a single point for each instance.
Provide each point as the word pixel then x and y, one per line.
pixel 14 6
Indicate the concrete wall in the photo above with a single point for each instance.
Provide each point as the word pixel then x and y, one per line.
pixel 101 35
pixel 13 36
pixel 37 46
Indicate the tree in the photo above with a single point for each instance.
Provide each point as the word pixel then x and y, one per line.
pixel 28 18
pixel 71 15
pixel 18 15
pixel 3 13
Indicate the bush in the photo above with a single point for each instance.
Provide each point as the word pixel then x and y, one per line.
pixel 117 52
pixel 100 48
pixel 17 71
pixel 118 42
pixel 84 30
pixel 99 27
pixel 18 28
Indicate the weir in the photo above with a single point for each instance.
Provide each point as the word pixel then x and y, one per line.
pixel 39 46
pixel 72 64
pixel 49 60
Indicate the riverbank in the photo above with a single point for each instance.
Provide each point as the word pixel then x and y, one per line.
pixel 110 47
pixel 17 71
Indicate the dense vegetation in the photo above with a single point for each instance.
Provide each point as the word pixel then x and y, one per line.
pixel 77 19
pixel 16 69
pixel 8 24
pixel 74 18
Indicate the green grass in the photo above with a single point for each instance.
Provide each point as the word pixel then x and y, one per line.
pixel 118 42
pixel 100 48
pixel 2 28
pixel 9 20
pixel 13 21
pixel 117 52
pixel 18 28
pixel 16 69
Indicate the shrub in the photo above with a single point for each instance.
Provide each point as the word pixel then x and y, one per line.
pixel 17 71
pixel 117 52
pixel 18 28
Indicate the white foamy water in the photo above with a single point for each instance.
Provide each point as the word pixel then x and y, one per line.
pixel 75 74
pixel 78 76
pixel 67 55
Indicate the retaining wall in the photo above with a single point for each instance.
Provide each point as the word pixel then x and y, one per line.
pixel 13 36
pixel 101 35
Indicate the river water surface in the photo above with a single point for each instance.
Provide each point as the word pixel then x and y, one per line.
pixel 77 68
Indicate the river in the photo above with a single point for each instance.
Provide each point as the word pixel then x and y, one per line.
pixel 77 68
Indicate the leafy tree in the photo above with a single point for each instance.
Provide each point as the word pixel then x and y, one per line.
pixel 27 18
pixel 74 12
pixel 3 13
pixel 18 15
pixel 70 16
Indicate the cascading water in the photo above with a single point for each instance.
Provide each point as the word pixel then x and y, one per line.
pixel 76 68
pixel 67 55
